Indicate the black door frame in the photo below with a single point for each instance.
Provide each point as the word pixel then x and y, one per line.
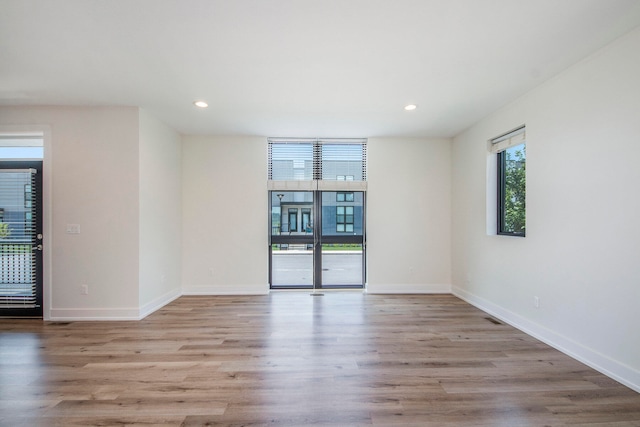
pixel 36 311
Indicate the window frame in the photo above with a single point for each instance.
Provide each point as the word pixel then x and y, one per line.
pixel 501 192
pixel 345 196
pixel 348 219
pixel 314 159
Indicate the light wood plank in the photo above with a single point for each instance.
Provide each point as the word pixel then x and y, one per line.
pixel 290 359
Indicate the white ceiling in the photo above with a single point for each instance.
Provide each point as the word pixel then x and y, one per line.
pixel 313 68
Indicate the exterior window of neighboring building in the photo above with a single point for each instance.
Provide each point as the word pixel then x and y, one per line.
pixel 344 196
pixel 344 219
pixel 293 219
pixel 306 221
pixel 512 156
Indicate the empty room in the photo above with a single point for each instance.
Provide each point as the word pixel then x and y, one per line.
pixel 327 213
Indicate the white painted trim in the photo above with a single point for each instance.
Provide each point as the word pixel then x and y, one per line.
pixel 47 222
pixel 420 288
pixel 309 185
pixel 492 194
pixel 84 314
pixel 159 302
pixel 618 371
pixel 330 185
pixel 226 290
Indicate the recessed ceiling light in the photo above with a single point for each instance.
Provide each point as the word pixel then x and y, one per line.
pixel 410 107
pixel 201 104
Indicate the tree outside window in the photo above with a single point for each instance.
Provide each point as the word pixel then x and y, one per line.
pixel 512 191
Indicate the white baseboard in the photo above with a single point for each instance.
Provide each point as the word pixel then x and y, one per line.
pixel 618 371
pixel 408 288
pixel 226 290
pixel 82 314
pixel 159 302
pixel 115 314
pixel 119 314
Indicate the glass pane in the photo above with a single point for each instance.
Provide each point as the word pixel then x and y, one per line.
pixel 291 265
pixel 291 213
pixel 513 190
pixel 342 162
pixel 291 161
pixel 342 265
pixel 339 217
pixel 17 236
pixel 21 152
pixel 293 219
pixel 276 224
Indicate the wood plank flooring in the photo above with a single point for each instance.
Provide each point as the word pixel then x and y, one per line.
pixel 291 359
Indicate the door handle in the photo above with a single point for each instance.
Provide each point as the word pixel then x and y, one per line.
pixel 37 248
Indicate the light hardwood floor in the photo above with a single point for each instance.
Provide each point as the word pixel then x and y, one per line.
pixel 291 359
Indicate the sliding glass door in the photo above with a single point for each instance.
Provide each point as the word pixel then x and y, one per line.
pixel 317 239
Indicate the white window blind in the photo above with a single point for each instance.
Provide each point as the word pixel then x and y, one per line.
pixel 17 238
pixel 510 139
pixel 291 161
pixel 323 164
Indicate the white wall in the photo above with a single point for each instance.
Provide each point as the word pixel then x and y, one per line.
pixel 160 213
pixel 582 250
pixel 225 215
pixel 93 160
pixel 409 215
pixel 225 232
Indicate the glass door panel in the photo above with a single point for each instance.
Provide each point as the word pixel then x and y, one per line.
pixel 292 257
pixel 342 238
pixel 342 265
pixel 21 238
pixel 317 239
pixel 291 266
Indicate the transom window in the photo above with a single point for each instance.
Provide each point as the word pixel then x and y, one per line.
pixel 327 160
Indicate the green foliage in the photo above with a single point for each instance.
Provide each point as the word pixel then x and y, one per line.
pixel 341 247
pixel 515 190
pixel 4 230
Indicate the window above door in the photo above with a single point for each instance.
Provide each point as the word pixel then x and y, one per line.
pixel 343 160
